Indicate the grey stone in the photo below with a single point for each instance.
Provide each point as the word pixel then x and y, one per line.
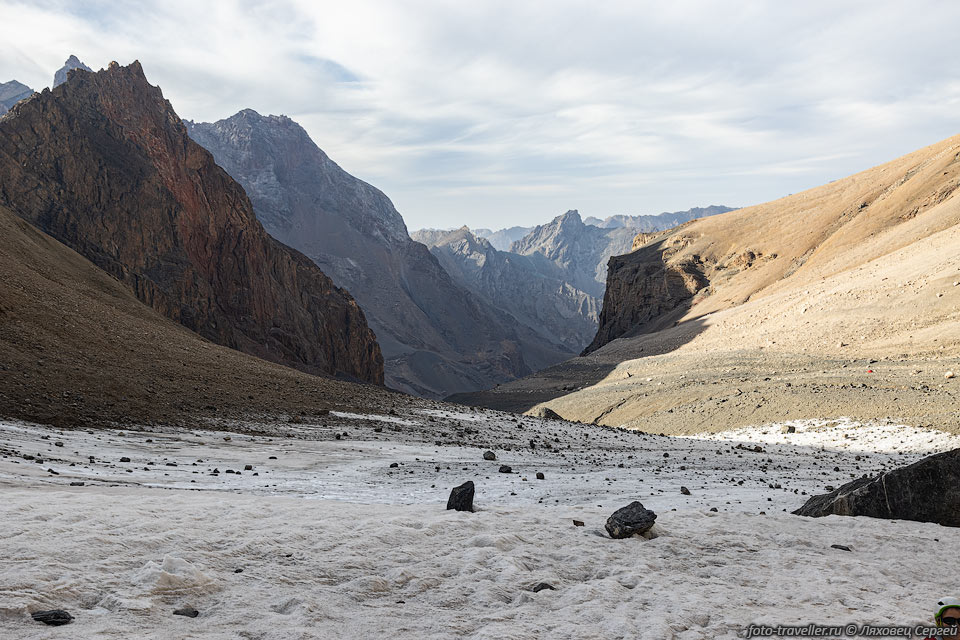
pixel 630 520
pixel 53 617
pixel 461 498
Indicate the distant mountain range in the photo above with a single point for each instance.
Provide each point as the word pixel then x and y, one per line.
pixel 529 289
pixel 658 222
pixel 473 310
pixel 551 277
pixel 438 337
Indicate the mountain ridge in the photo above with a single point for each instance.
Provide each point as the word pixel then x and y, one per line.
pixel 103 164
pixel 436 335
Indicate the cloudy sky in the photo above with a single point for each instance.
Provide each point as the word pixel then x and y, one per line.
pixel 493 113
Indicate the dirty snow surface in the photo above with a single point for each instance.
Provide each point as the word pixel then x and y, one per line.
pixel 305 530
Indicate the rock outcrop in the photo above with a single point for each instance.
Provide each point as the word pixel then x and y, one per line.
pixel 631 520
pixel 11 93
pixel 647 290
pixel 437 337
pixel 925 491
pixel 103 164
pixel 63 73
pixel 547 305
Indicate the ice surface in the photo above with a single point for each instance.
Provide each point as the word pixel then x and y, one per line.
pixel 334 543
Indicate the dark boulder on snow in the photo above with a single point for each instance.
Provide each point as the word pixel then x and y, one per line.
pixel 187 612
pixel 926 491
pixel 630 520
pixel 489 455
pixel 54 617
pixel 461 498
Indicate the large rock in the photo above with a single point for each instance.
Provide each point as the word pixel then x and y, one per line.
pixel 437 336
pixel 926 491
pixel 461 498
pixel 54 617
pixel 657 222
pixel 103 164
pixel 631 520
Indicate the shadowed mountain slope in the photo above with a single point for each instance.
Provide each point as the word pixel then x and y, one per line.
pixel 77 348
pixel 843 300
pixel 436 336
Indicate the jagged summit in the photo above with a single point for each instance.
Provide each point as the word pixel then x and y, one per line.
pixel 103 164
pixel 73 62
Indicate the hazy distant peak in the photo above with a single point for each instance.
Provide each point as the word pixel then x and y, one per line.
pixel 11 93
pixel 73 62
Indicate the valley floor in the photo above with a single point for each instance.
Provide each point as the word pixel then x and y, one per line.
pixel 322 538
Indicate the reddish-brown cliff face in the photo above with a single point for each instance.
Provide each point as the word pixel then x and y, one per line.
pixel 104 164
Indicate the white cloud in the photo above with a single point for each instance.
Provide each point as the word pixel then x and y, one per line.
pixel 498 113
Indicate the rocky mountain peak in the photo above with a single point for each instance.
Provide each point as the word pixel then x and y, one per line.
pixel 270 154
pixel 73 62
pixel 569 219
pixel 103 164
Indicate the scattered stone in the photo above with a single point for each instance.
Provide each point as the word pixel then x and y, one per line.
pixel 54 617
pixel 58 444
pixel 544 586
pixel 540 475
pixel 461 498
pixel 788 429
pixel 248 467
pixel 394 465
pixel 714 509
pixel 578 523
pixel 489 455
pixel 840 546
pixel 631 519
pixel 188 612
pixel 948 375
pixel 505 468
pixel 77 484
pixel 124 459
pixel 685 491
